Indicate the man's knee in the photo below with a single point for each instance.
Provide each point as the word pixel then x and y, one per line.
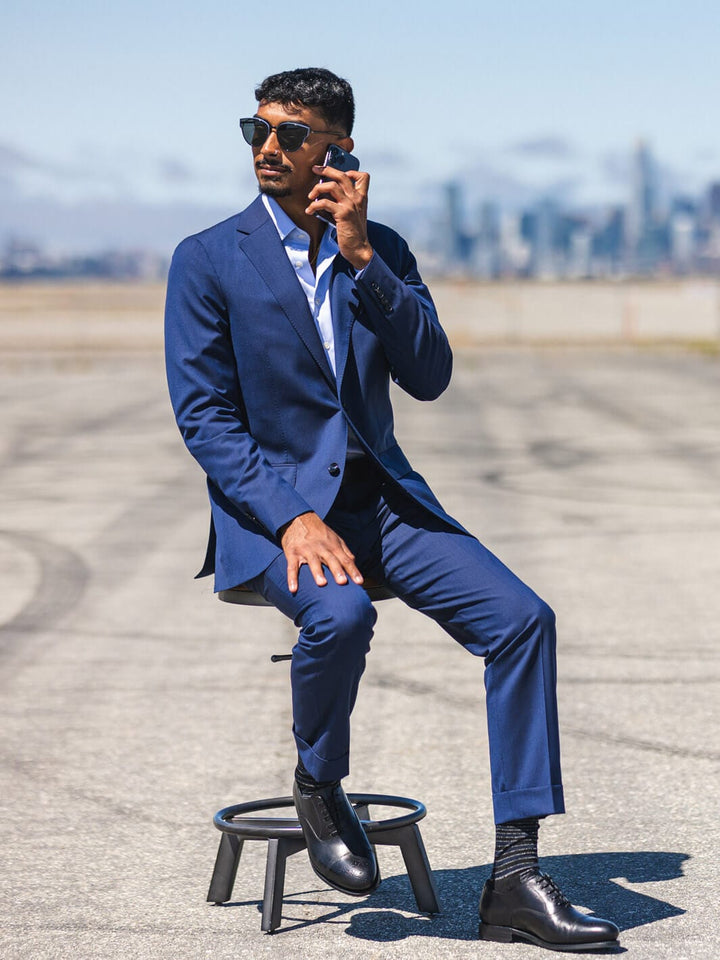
pixel 341 625
pixel 544 616
pixel 530 622
pixel 533 618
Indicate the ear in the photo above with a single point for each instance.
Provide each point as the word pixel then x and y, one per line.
pixel 347 143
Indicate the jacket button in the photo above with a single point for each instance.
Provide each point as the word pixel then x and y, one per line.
pixel 334 470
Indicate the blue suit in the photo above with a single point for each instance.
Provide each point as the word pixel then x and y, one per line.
pixel 255 399
pixel 260 409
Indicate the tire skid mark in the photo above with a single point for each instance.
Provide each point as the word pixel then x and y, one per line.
pixel 635 743
pixel 566 388
pixel 556 457
pixel 56 784
pixel 419 688
pixel 121 548
pixel 23 447
pixel 63 579
pixel 652 422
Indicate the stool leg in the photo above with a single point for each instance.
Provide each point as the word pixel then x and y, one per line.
pixel 416 862
pixel 278 852
pixel 418 868
pixel 361 809
pixel 226 865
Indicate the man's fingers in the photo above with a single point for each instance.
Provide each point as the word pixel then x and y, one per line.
pixel 337 570
pixel 341 184
pixel 340 564
pixel 293 567
pixel 348 562
pixel 341 569
pixel 306 539
pixel 354 572
pixel 330 173
pixel 360 180
pixel 346 549
pixel 316 569
pixel 326 197
pixel 330 206
pixel 357 179
pixel 328 188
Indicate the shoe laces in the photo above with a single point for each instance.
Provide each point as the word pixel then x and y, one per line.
pixel 553 890
pixel 332 810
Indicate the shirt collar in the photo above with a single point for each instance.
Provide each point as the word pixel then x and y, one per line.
pixel 285 226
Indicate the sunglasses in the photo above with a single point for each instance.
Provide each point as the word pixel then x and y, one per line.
pixel 291 135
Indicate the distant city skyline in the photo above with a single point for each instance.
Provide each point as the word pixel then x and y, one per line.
pixel 120 123
pixel 646 235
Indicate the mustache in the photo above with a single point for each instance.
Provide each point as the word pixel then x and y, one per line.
pixel 261 162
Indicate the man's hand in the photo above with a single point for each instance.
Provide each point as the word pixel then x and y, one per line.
pixel 306 539
pixel 345 196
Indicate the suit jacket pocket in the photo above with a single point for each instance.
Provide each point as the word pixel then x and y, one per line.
pixel 288 471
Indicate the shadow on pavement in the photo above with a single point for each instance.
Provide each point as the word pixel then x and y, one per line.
pixel 588 879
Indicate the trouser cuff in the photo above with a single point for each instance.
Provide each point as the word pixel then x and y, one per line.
pixel 320 768
pixel 531 802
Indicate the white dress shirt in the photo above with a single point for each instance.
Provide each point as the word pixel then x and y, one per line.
pixel 316 286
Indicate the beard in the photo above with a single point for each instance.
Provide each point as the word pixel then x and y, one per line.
pixel 274 190
pixel 269 185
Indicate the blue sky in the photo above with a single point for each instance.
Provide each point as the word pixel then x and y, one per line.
pixel 137 102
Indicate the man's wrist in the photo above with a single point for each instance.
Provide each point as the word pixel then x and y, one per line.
pixel 362 258
pixel 281 531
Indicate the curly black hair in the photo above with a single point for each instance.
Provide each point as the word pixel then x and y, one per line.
pixel 312 87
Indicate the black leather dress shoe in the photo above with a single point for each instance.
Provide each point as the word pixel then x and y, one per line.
pixel 339 850
pixel 534 910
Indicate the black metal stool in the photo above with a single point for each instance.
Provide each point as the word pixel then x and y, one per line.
pixel 284 836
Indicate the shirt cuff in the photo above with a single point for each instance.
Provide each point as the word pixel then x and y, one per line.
pixel 359 273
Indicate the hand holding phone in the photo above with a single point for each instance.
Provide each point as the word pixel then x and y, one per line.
pixel 346 194
pixel 341 160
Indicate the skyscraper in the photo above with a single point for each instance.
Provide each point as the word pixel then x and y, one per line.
pixel 486 254
pixel 545 258
pixel 454 244
pixel 640 220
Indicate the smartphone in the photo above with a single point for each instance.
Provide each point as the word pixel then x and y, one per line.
pixel 341 160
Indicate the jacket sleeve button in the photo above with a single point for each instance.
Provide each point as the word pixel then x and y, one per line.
pixel 334 470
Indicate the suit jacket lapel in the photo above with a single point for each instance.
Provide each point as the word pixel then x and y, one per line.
pixel 261 244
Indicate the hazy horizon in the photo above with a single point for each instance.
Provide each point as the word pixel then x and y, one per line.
pixel 121 122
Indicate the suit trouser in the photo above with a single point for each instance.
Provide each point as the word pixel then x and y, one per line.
pixel 454 579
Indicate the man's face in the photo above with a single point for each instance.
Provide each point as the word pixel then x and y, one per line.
pixel 283 174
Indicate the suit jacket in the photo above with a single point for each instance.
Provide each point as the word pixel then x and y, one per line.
pixel 254 395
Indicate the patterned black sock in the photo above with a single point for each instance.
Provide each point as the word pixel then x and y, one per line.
pixel 307 781
pixel 516 848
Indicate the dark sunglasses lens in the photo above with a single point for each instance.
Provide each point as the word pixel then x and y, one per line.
pixel 255 131
pixel 292 136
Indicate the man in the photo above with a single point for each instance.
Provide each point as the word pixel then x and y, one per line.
pixel 283 331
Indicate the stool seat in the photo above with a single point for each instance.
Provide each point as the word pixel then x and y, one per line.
pixel 284 837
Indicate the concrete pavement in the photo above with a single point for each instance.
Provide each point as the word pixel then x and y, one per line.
pixel 134 704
